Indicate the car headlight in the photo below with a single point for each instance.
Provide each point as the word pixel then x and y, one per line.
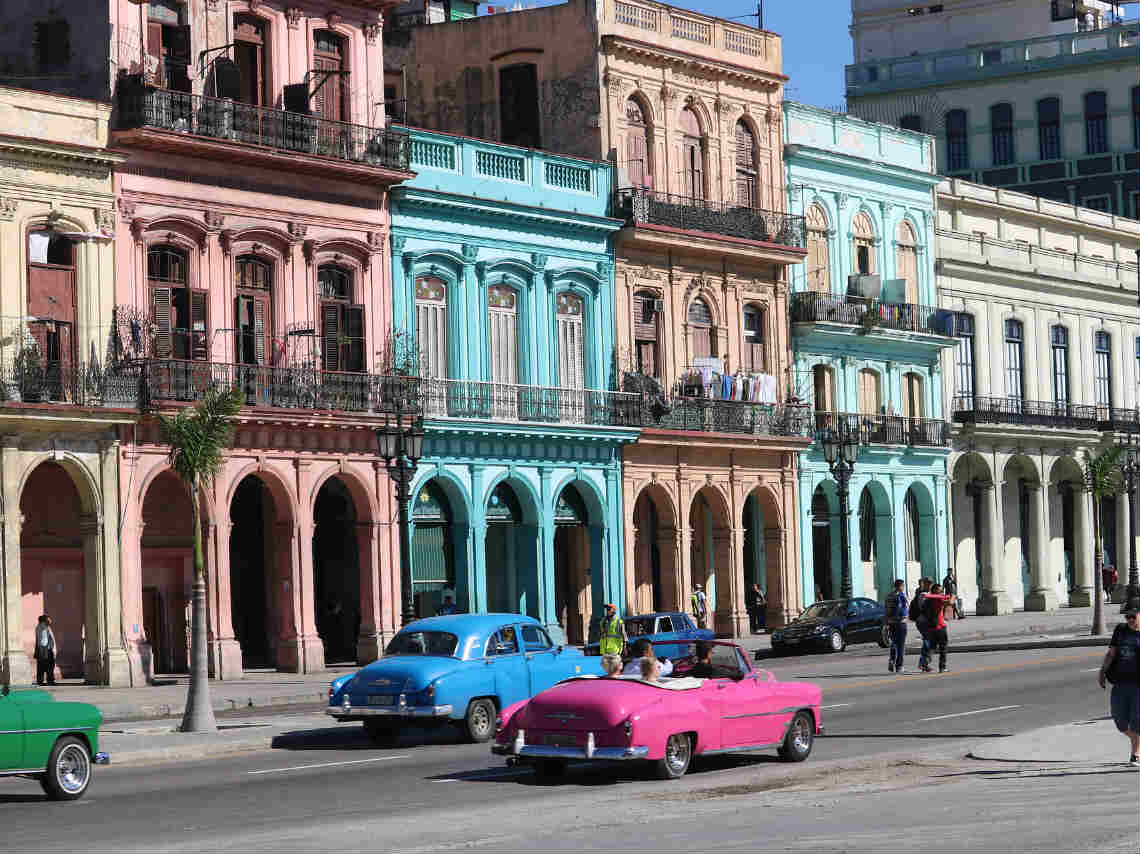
pixel 819 630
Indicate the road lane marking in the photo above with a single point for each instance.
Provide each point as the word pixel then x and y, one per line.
pixel 1090 670
pixel 964 714
pixel 836 706
pixel 327 764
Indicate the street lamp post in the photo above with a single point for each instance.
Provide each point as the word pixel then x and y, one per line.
pixel 840 450
pixel 1131 470
pixel 401 444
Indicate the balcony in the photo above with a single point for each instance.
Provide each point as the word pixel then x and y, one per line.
pixel 639 206
pixel 30 378
pixel 870 315
pixel 487 401
pixel 729 416
pixel 886 429
pixel 976 410
pixel 165 120
pixel 993 60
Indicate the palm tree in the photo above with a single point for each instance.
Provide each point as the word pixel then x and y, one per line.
pixel 197 438
pixel 1099 471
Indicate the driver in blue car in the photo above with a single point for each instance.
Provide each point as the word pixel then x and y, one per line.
pixel 642 650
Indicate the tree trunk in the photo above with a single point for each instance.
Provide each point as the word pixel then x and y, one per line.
pixel 199 714
pixel 1098 561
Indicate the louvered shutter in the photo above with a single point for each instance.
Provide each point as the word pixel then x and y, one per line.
pixel 908 270
pixel 160 300
pixel 504 346
pixel 354 332
pixel 868 392
pixel 327 101
pixel 259 316
pixel 330 335
pixel 154 50
pixel 198 330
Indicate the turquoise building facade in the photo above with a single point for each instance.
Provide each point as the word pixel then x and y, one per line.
pixel 866 342
pixel 504 279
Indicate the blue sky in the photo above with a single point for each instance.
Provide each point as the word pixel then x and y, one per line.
pixel 816 42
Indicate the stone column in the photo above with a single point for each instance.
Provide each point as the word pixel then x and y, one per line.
pixel 371 640
pixel 312 649
pixel 1123 510
pixel 992 598
pixel 777 612
pixel 637 551
pixel 289 654
pixel 15 665
pixel 1082 594
pixel 1043 592
pixel 729 618
pixel 226 657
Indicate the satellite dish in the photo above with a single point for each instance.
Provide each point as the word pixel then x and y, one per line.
pixel 227 78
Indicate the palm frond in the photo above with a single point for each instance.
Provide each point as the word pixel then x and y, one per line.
pixel 1101 470
pixel 198 437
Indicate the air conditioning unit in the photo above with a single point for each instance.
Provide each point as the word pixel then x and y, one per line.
pixel 865 287
pixel 659 306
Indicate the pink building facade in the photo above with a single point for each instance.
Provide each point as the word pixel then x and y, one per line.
pixel 251 248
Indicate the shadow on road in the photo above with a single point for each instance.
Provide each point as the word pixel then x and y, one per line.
pixel 903 736
pixel 353 737
pixel 25 799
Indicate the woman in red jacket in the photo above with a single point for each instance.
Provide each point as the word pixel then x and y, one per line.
pixel 935 603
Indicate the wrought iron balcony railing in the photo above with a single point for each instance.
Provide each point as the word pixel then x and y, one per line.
pixel 886 429
pixel 868 315
pixel 30 378
pixel 728 416
pixel 225 119
pixel 638 205
pixel 976 409
pixel 177 380
pixel 488 401
pixel 1117 419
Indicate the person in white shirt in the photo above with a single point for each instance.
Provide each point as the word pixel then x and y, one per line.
pixel 642 650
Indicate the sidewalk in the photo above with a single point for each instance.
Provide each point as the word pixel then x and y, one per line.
pixel 1019 630
pixel 1094 742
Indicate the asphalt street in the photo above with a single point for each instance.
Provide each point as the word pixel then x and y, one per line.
pixel 330 787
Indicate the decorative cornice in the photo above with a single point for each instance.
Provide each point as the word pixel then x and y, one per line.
pixel 372 32
pixel 293 17
pixel 8 208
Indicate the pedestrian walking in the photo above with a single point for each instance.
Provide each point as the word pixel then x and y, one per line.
pixel 1121 667
pixel 1108 579
pixel 935 604
pixel 699 603
pixel 45 651
pixel 950 587
pixel 612 640
pixel 917 615
pixel 896 610
pixel 755 604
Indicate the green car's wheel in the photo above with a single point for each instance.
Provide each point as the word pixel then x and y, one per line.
pixel 68 771
pixel 480 720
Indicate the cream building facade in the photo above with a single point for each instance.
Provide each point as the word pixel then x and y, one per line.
pixel 1047 369
pixel 60 419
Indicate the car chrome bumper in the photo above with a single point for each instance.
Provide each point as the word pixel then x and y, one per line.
pixel 521 750
pixel 355 712
pixel 101 758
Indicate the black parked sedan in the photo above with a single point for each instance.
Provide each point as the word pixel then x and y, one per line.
pixel 832 625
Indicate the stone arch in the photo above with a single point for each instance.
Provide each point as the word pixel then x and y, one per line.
pixel 1069 526
pixel 275 482
pixel 874 548
pixel 453 488
pixel 278 240
pixel 1019 548
pixel 710 523
pixel 656 551
pixel 579 570
pixel 441 541
pixel 514 569
pixel 528 498
pixel 764 558
pixel 926 546
pixel 342 565
pixel 822 575
pixel 863 225
pixel 970 474
pixel 84 479
pixel 358 487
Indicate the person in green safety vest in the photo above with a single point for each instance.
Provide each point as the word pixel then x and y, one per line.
pixel 612 640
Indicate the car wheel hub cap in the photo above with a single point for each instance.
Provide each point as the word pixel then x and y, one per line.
pixel 677 753
pixel 801 735
pixel 72 768
pixel 479 718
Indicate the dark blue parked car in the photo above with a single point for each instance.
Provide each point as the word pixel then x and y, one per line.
pixel 459 669
pixel 663 626
pixel 832 625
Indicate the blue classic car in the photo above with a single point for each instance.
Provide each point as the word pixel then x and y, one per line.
pixel 661 627
pixel 458 669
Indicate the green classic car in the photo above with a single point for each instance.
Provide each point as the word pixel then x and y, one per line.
pixel 57 743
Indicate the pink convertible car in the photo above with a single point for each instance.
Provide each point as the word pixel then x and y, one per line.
pixel 712 702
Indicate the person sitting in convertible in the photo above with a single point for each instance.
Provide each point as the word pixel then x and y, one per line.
pixel 650 669
pixel 642 650
pixel 704 668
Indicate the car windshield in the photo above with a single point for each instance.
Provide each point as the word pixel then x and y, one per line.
pixel 423 643
pixel 702 659
pixel 637 626
pixel 824 609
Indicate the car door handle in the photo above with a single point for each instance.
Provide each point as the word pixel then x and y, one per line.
pixel 720 686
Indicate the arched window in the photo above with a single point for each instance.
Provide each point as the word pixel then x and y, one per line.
pixel 571 341
pixel 692 155
pixel 431 325
pixel 755 356
pixel 906 261
pixel 957 141
pixel 638 146
pixel 1059 336
pixel 646 332
pixel 52 295
pixel 863 244
pixel 700 326
pixel 819 252
pixel 1096 123
pixel 866 527
pixel 179 319
pixel 342 321
pixel 503 314
pixel 1001 133
pixel 870 392
pixel 252 278
pixel 1049 128
pixel 747 184
pixel 912 396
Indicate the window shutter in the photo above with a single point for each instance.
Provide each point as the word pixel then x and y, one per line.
pixel 160 300
pixel 259 311
pixel 199 332
pixel 354 332
pixel 330 335
pixel 180 45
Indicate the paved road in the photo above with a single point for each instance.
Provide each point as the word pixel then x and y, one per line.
pixel 331 788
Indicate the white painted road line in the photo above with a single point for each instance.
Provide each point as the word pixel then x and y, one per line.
pixel 836 706
pixel 964 714
pixel 328 764
pixel 1091 670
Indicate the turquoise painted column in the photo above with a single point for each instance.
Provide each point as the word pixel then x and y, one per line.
pixel 546 611
pixel 477 576
pixel 898 505
pixel 612 544
pixel 600 544
pixel 941 523
pixel 854 542
pixel 479 356
pixel 401 273
pixel 807 539
pixel 467 328
pixel 605 349
pixel 542 287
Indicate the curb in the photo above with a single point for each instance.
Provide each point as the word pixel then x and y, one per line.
pixel 1009 645
pixel 115 712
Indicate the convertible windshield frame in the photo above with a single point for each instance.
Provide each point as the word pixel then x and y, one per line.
pixel 432 643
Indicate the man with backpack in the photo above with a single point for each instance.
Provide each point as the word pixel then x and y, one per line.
pixel 917 615
pixel 896 611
